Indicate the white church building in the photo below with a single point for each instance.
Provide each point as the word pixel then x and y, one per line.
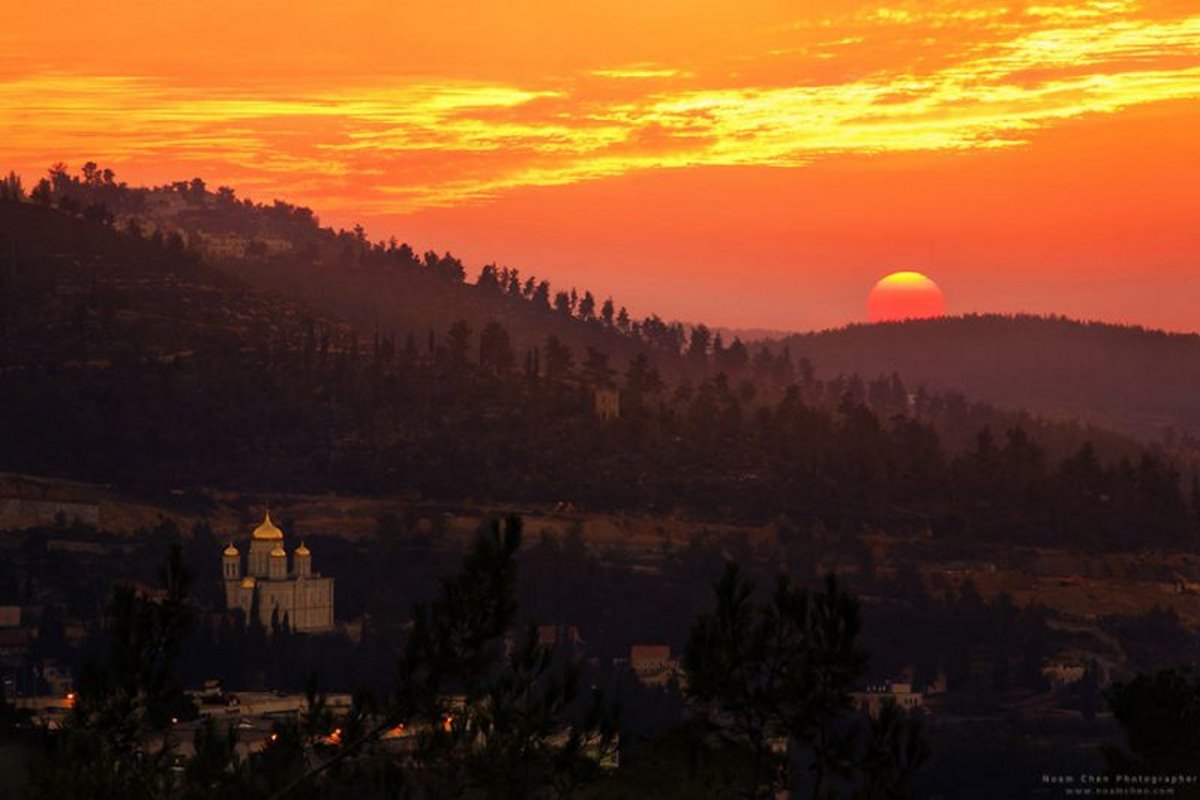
pixel 297 593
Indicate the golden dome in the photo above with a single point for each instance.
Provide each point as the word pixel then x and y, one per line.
pixel 231 551
pixel 267 529
pixel 302 550
pixel 248 582
pixel 279 552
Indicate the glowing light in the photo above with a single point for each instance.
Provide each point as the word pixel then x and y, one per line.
pixel 905 295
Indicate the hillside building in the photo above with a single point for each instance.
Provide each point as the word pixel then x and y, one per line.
pixel 303 597
pixel 652 664
pixel 872 700
pixel 607 403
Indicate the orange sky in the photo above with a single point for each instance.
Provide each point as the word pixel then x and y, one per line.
pixel 751 164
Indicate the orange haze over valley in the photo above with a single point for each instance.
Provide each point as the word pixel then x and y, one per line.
pixel 757 164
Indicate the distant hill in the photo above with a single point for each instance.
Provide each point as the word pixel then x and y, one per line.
pixel 386 288
pixel 76 293
pixel 1130 379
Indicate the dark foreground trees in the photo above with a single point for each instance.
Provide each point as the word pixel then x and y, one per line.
pixel 478 711
pixel 773 681
pixel 483 710
pixel 1160 716
pixel 497 717
pixel 116 744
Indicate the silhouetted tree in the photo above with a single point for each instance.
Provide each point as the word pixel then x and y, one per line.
pixel 1159 715
pixel 495 349
pixel 587 307
pixel 458 344
pixel 11 190
pixel 116 741
pixel 776 672
pixel 499 738
pixel 558 359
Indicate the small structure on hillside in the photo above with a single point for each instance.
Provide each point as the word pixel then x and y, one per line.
pixel 873 698
pixel 652 664
pixel 607 402
pixel 1060 673
pixel 303 597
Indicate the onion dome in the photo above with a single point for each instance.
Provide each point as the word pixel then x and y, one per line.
pixel 267 529
pixel 248 582
pixel 279 552
pixel 302 550
pixel 231 551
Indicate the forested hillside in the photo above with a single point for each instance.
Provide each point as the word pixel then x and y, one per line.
pixel 137 360
pixel 386 287
pixel 1146 383
pixel 75 293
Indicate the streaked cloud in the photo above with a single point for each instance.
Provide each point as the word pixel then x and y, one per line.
pixel 892 78
pixel 639 72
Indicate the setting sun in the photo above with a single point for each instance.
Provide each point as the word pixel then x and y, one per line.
pixel 905 295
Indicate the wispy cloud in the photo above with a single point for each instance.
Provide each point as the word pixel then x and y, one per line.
pixel 639 72
pixel 1006 73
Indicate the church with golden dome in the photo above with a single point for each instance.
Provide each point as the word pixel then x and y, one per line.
pixel 298 594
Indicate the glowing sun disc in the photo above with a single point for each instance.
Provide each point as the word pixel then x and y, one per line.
pixel 905 295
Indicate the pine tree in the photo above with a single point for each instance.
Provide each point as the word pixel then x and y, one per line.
pixel 116 743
